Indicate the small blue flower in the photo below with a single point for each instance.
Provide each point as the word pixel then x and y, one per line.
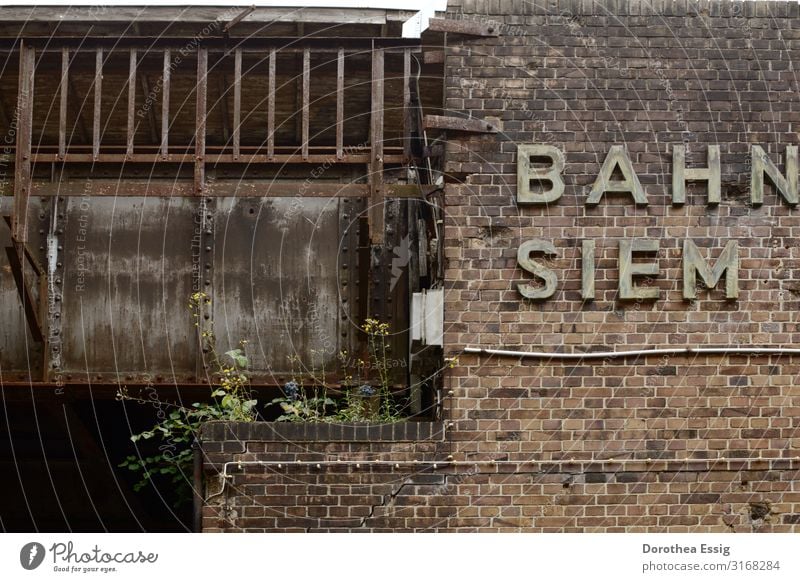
pixel 292 390
pixel 366 390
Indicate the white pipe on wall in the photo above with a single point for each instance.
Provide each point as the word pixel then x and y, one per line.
pixel 732 350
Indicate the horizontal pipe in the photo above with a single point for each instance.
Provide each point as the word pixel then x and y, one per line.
pixel 500 462
pixel 731 350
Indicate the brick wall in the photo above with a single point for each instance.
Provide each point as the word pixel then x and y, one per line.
pixel 584 76
pixel 322 477
pixel 654 443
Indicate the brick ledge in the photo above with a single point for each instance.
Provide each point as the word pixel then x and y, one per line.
pixel 322 432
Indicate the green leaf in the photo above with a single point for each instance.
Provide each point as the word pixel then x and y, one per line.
pixel 238 358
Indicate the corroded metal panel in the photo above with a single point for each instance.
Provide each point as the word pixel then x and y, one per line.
pixel 275 282
pixel 127 267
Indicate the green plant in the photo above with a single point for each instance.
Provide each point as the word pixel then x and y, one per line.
pixel 361 401
pixel 177 430
pixel 302 405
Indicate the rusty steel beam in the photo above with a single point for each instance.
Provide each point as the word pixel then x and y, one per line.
pixel 105 386
pixel 407 102
pixel 340 104
pixel 237 104
pixel 165 82
pixel 306 101
pixel 238 18
pixel 466 124
pixel 22 163
pixel 131 103
pixel 37 267
pixel 98 98
pixel 225 188
pixel 62 111
pixel 376 210
pixel 213 158
pixel 200 122
pixel 222 45
pixel 271 107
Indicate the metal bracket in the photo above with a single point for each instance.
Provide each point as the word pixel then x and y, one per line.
pixel 466 27
pixel 466 124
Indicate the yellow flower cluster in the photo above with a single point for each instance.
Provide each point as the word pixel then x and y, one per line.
pixel 375 327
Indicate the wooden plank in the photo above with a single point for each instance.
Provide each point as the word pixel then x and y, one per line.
pixel 407 102
pixel 131 103
pixel 340 104
pixel 224 188
pixel 165 82
pixel 271 107
pixel 98 97
pixel 62 111
pixel 306 100
pixel 467 27
pixel 237 103
pixel 468 124
pixel 376 211
pixel 200 121
pixel 22 163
